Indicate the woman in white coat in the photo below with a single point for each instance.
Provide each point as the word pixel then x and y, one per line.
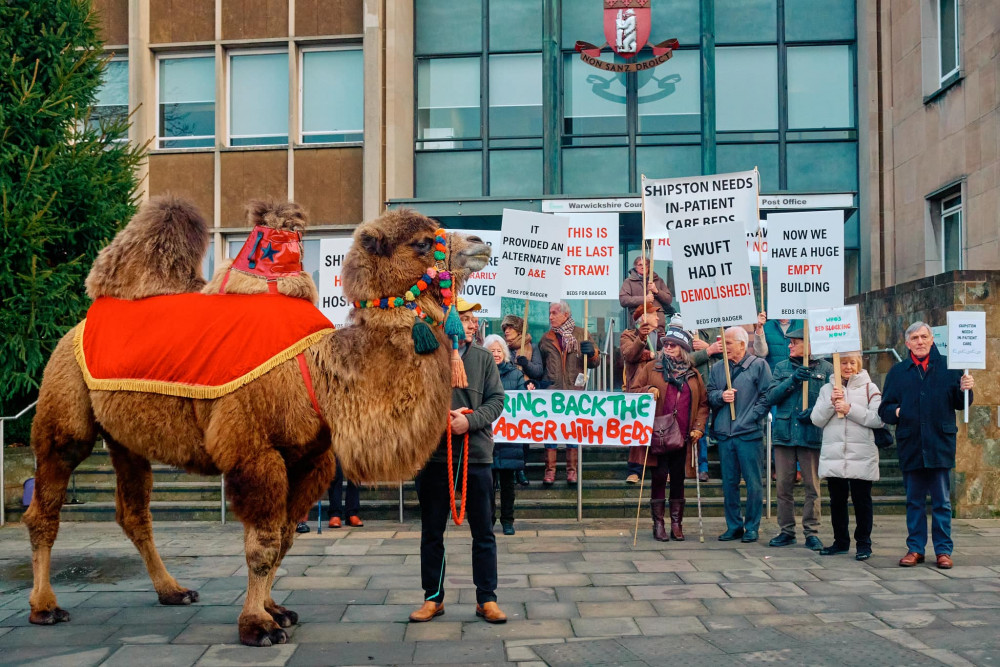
pixel 848 459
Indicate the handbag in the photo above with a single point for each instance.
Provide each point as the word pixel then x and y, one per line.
pixel 667 436
pixel 883 436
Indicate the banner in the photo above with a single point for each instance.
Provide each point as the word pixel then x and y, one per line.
pixel 592 264
pixel 834 330
pixel 576 418
pixel 966 339
pixel 481 287
pixel 806 266
pixel 332 301
pixel 670 204
pixel 531 255
pixel 712 276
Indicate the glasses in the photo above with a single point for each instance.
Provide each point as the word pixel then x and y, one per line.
pixel 670 345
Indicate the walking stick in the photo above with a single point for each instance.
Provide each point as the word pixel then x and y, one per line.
pixel 638 505
pixel 697 486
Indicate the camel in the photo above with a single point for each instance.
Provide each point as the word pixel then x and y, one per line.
pixel 382 405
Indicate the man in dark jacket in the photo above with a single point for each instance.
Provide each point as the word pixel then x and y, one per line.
pixel 632 294
pixel 474 409
pixel 920 397
pixel 796 440
pixel 740 440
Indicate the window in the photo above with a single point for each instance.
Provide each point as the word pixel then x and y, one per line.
pixel 111 104
pixel 594 101
pixel 950 233
pixel 333 105
pixel 947 38
pixel 820 87
pixel 258 99
pixel 670 96
pixel 186 101
pixel 746 88
pixel 516 95
pixel 448 102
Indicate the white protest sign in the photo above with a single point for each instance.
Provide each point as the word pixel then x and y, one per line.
pixel 712 276
pixel 757 249
pixel 834 330
pixel 591 267
pixel 332 301
pixel 532 252
pixel 481 286
pixel 661 250
pixel 681 203
pixel 806 266
pixel 967 339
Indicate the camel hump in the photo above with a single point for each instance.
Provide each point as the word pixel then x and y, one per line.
pixel 158 252
pixel 275 214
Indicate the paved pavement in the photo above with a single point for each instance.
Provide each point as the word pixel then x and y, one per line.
pixel 575 594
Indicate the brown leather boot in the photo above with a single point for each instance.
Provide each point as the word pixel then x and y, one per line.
pixel 656 508
pixel 430 610
pixel 571 459
pixel 490 612
pixel 676 518
pixel 550 467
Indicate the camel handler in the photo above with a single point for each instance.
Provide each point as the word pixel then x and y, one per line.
pixel 473 411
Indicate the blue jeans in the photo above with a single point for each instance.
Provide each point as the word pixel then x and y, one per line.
pixel 741 457
pixel 703 454
pixel 935 482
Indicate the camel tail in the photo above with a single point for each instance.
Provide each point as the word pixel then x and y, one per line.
pixel 158 252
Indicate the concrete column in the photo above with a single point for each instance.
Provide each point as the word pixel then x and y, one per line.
pixel 707 86
pixel 374 177
pixel 398 91
pixel 141 85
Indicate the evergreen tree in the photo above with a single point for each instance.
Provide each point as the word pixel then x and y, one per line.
pixel 66 184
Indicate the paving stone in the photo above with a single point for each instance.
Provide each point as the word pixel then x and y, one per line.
pixel 953 638
pixel 352 653
pixel 694 591
pixel 623 555
pixel 982 656
pixel 659 625
pixel 323 583
pixel 702 577
pixel 760 590
pixel 151 615
pixel 601 652
pixel 65 634
pixel 973 600
pixel 364 613
pixel 684 607
pixel 521 654
pixel 539 610
pixel 964 585
pixel 792 574
pixel 436 630
pixel 604 610
pixel 717 623
pixel 78 616
pixel 544 628
pixel 819 604
pixel 853 586
pixel 335 596
pixel 593 594
pixel 159 633
pixel 842 574
pixel 906 587
pixel 853 617
pixel 468 595
pixel 458 652
pixel 607 566
pixel 961 571
pixel 781 620
pixel 741 641
pixel 908 619
pixel 55 656
pixel 355 632
pixel 554 580
pixel 225 655
pixel 664 566
pixel 877 652
pixel 892 601
pixel 787 655
pixel 19 599
pixel 607 626
pixel 156 656
pixel 208 633
pixel 738 606
pixel 829 634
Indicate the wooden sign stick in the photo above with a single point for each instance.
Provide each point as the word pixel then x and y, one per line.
pixel 805 362
pixel 836 375
pixel 729 379
pixel 524 329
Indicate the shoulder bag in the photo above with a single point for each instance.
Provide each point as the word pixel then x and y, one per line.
pixel 667 436
pixel 883 437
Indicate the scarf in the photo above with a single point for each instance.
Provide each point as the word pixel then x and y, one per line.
pixel 522 350
pixel 921 362
pixel 675 371
pixel 565 333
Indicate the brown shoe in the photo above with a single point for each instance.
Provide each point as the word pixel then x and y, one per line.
pixel 944 562
pixel 334 522
pixel 910 559
pixel 430 610
pixel 355 521
pixel 491 613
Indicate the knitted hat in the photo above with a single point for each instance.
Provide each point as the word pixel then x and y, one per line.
pixel 679 337
pixel 464 306
pixel 512 321
pixel 676 321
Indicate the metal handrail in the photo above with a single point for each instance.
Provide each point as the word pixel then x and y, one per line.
pixel 879 350
pixel 3 507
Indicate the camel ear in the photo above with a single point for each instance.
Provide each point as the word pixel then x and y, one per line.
pixel 375 243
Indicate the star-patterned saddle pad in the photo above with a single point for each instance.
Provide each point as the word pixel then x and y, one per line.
pixel 192 345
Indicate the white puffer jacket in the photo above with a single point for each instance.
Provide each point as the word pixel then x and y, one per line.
pixel 849 449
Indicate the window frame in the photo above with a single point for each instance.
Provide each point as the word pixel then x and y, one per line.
pixel 117 56
pixel 943 77
pixel 159 139
pixel 263 51
pixel 300 139
pixel 943 214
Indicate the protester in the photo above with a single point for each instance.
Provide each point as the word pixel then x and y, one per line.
pixel 528 358
pixel 740 440
pixel 635 290
pixel 474 409
pixel 707 350
pixel 920 397
pixel 848 460
pixel 353 502
pixel 508 458
pixel 777 341
pixel 638 346
pixel 679 391
pixel 563 350
pixel 796 440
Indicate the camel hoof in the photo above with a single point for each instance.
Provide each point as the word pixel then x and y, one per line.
pixel 181 597
pixel 286 618
pixel 49 617
pixel 262 636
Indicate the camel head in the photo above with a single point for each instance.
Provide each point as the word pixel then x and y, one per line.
pixel 392 252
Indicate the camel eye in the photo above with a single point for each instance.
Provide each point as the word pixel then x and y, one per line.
pixel 422 246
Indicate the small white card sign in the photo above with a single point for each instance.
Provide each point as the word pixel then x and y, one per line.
pixel 481 287
pixel 532 255
pixel 834 330
pixel 806 264
pixel 967 339
pixel 332 301
pixel 591 267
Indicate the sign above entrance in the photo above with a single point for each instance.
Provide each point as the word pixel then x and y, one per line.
pixel 626 28
pixel 779 202
pixel 634 204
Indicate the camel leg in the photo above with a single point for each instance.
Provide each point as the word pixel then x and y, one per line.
pixel 135 484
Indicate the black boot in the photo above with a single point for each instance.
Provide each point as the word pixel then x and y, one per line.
pixel 676 519
pixel 657 508
pixel 521 478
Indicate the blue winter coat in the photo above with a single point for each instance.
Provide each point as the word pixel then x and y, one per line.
pixel 926 426
pixel 509 456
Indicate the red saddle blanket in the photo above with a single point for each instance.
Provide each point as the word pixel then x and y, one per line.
pixel 192 345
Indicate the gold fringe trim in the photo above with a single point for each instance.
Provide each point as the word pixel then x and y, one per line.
pixel 188 390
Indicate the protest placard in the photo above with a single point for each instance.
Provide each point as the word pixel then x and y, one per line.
pixel 481 286
pixel 681 203
pixel 532 253
pixel 756 247
pixel 712 276
pixel 966 339
pixel 332 301
pixel 661 250
pixel 834 330
pixel 576 418
pixel 805 269
pixel 591 267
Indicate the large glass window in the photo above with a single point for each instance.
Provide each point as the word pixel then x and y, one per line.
pixel 111 104
pixel 951 233
pixel 820 87
pixel 746 21
pixel 516 95
pixel 670 95
pixel 948 37
pixel 515 25
pixel 333 104
pixel 448 96
pixel 186 101
pixel 593 100
pixel 258 99
pixel 448 26
pixel 814 20
pixel 746 88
